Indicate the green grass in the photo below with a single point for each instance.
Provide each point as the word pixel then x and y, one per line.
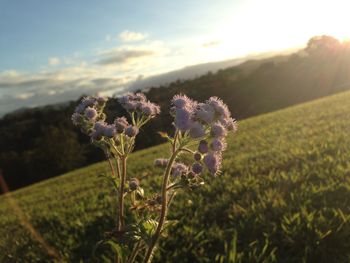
pixel 284 196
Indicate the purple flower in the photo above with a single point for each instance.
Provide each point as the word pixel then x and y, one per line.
pixel 100 126
pixel 229 123
pixel 149 109
pixel 90 113
pixel 218 130
pixel 182 119
pixel 197 130
pixel 109 131
pixel 218 145
pixel 76 118
pixel 203 146
pixel 181 101
pixel 179 169
pixel 131 131
pixel 213 162
pixel 80 108
pixel 197 168
pixel 205 112
pixel 120 124
pixel 134 183
pixel 161 162
pixel 219 106
pixel 197 156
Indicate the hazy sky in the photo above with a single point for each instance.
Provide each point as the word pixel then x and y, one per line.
pixel 53 51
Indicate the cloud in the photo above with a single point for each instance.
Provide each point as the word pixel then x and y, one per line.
pixel 123 56
pixel 54 61
pixel 211 43
pixel 129 36
pixel 30 90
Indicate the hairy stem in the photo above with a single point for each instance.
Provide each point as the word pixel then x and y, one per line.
pixel 121 193
pixel 164 206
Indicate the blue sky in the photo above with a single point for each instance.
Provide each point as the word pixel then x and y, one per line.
pixel 53 51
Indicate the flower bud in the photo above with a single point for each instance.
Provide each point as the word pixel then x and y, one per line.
pixel 197 168
pixel 134 184
pixel 203 146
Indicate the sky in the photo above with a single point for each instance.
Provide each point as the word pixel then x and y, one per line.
pixel 54 51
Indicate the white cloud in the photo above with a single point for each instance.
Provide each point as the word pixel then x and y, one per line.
pixel 129 36
pixel 54 61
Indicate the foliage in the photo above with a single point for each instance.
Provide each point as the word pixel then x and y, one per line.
pixel 283 196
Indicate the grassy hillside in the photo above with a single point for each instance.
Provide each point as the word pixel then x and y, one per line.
pixel 284 196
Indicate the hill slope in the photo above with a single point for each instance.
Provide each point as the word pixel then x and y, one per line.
pixel 284 194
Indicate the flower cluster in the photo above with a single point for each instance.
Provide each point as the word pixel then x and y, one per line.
pixel 90 118
pixel 208 122
pixel 139 104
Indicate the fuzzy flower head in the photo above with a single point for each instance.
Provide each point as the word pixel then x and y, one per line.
pixel 179 169
pixel 90 113
pixel 197 130
pixel 212 161
pixel 218 130
pixel 139 103
pixel 120 124
pixel 219 106
pixel 182 101
pixel 161 162
pixel 131 131
pixel 218 145
pixel 205 113
pixel 183 119
pixel 149 109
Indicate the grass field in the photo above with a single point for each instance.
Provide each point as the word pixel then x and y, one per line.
pixel 284 196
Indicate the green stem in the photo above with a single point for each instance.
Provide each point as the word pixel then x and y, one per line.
pixel 121 194
pixel 164 206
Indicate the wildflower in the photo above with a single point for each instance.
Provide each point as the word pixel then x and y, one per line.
pixel 76 118
pixel 131 131
pixel 120 124
pixel 218 130
pixel 218 145
pixel 138 102
pixel 213 162
pixel 181 101
pixel 109 131
pixel 203 146
pixel 179 169
pixel 161 162
pixel 90 113
pixel 205 112
pixel 182 119
pixel 100 126
pixel 197 168
pixel 197 130
pixel 134 183
pixel 219 106
pixel 149 109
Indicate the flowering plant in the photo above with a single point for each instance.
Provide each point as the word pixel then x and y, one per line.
pixel 200 131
